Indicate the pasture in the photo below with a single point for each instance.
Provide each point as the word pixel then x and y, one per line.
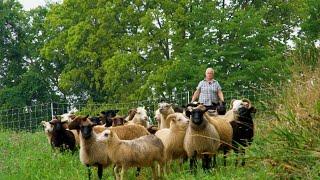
pixel 282 149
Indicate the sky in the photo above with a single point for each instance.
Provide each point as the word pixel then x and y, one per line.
pixel 30 4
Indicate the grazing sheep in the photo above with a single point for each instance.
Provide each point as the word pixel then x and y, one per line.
pixel 243 128
pixel 165 110
pixel 140 117
pixel 62 138
pixel 105 116
pixel 141 152
pixel 48 128
pixel 201 140
pixel 225 132
pixel 173 137
pixel 93 153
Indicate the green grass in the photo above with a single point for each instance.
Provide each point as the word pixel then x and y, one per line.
pixel 281 150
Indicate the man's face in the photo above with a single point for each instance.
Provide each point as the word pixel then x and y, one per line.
pixel 209 75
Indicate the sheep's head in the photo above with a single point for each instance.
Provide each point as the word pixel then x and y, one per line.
pixel 105 116
pixel 103 136
pixel 141 115
pixel 118 121
pixel 106 135
pixel 57 124
pixel 165 108
pixel 157 115
pixel 86 126
pixel 197 114
pixel 95 119
pixel 245 113
pixel 48 128
pixel 178 120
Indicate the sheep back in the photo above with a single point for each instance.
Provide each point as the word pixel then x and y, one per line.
pixel 130 131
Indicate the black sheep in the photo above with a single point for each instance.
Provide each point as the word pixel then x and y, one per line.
pixel 243 130
pixel 62 138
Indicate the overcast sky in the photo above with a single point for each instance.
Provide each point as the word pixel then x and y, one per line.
pixel 30 4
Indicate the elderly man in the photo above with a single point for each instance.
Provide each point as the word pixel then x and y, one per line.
pixel 209 91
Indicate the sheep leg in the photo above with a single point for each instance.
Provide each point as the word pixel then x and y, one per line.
pixel 206 162
pixel 193 162
pixel 100 170
pixel 122 173
pixel 89 171
pixel 225 151
pixel 154 171
pixel 138 171
pixel 116 172
pixel 214 163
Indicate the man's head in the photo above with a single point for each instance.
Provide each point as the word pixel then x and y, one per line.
pixel 209 74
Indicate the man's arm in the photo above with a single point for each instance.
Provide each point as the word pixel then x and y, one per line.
pixel 195 95
pixel 220 95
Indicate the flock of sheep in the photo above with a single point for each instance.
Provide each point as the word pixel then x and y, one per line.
pixel 192 132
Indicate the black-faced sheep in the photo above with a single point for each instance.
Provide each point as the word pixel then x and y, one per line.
pixel 141 152
pixel 62 138
pixel 105 116
pixel 165 110
pixel 243 128
pixel 173 137
pixel 201 140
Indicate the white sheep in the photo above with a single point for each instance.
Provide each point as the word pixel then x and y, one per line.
pixel 140 117
pixel 173 137
pixel 145 151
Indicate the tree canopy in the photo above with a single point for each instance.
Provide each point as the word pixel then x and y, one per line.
pixel 118 51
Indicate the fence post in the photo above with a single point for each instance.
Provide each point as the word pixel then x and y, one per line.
pixel 188 97
pixel 51 106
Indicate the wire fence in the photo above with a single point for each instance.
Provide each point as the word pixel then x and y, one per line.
pixel 29 118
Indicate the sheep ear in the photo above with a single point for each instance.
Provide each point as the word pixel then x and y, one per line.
pixel 87 116
pixel 42 123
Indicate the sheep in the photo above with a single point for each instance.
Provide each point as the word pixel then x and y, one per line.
pixel 243 128
pixel 93 153
pixel 131 114
pixel 152 129
pixel 173 137
pixel 202 138
pixel 48 128
pixel 157 117
pixel 225 131
pixel 118 121
pixel 165 110
pixel 141 152
pixel 105 116
pixel 62 138
pixel 140 117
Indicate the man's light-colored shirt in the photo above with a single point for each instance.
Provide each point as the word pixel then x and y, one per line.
pixel 208 92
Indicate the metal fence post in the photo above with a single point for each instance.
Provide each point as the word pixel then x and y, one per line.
pixel 51 104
